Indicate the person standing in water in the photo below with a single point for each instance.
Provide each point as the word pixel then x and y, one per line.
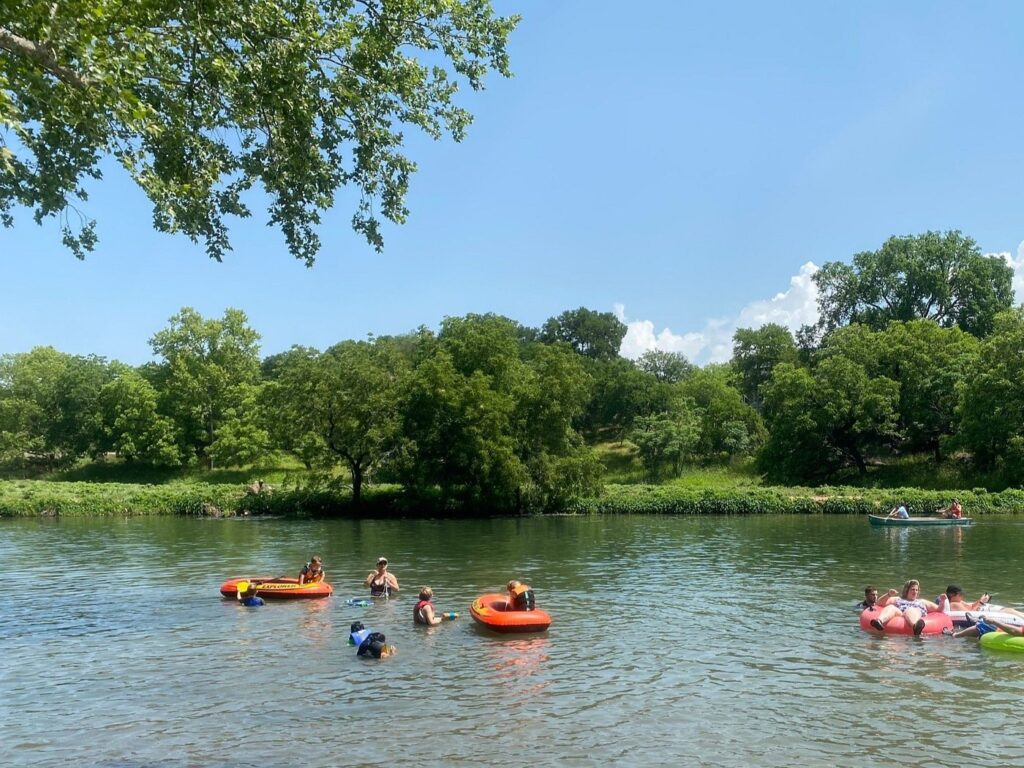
pixel 380 582
pixel 247 595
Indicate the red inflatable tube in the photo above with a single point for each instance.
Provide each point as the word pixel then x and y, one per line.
pixel 278 589
pixel 489 610
pixel 934 623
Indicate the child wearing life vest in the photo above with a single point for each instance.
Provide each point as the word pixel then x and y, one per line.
pixel 520 597
pixel 313 571
pixel 423 612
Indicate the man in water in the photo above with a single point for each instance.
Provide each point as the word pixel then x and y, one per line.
pixel 870 598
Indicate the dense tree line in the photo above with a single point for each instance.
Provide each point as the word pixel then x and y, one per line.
pixel 487 412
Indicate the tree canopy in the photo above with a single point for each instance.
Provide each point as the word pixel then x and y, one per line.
pixel 597 335
pixel 938 276
pixel 201 102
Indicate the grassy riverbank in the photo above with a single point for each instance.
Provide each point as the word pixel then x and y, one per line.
pixel 37 498
pixel 112 489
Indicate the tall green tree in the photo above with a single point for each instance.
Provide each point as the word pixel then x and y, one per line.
pixel 621 392
pixel 200 102
pixel 134 428
pixel 488 419
pixel 825 419
pixel 206 372
pixel 342 407
pixel 939 276
pixel 991 405
pixel 755 353
pixel 669 367
pixel 49 405
pixel 729 427
pixel 667 439
pixel 929 363
pixel 597 335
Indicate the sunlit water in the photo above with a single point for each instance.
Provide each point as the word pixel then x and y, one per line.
pixel 682 641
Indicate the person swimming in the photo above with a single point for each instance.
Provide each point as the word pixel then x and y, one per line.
pixel 369 644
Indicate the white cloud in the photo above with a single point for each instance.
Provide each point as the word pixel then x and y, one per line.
pixel 1017 264
pixel 792 308
pixel 713 343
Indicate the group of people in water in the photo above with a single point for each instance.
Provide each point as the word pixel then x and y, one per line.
pixel 954 511
pixel 909 604
pixel 382 583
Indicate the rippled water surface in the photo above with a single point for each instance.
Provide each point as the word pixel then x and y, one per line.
pixel 718 642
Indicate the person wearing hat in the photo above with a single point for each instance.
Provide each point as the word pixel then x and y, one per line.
pixel 380 582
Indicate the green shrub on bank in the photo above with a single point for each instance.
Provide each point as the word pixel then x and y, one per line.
pixel 676 500
pixel 34 498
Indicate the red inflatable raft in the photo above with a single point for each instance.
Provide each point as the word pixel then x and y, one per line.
pixel 489 610
pixel 934 623
pixel 278 589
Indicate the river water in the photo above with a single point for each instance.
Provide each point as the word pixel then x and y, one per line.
pixel 675 641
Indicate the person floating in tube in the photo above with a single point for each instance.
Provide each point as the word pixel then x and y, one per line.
pixel 909 603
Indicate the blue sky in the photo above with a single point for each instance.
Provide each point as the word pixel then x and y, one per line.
pixel 684 165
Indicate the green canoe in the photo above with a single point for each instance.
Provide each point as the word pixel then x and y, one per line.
pixel 916 521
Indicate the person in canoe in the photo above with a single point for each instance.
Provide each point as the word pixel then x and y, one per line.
pixel 954 511
pixel 909 603
pixel 313 571
pixel 380 582
pixel 900 512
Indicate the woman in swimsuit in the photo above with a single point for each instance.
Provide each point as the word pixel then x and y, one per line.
pixel 380 582
pixel 909 603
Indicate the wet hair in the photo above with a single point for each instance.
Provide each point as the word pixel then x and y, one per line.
pixel 426 593
pixel 869 589
pixel 908 585
pixel 513 584
pixel 953 589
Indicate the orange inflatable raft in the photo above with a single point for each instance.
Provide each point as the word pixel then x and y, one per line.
pixel 489 610
pixel 934 623
pixel 277 589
